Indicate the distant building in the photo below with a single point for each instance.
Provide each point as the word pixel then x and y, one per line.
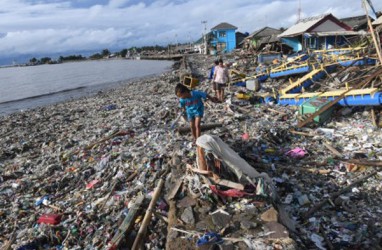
pixel 317 33
pixel 255 39
pixel 223 38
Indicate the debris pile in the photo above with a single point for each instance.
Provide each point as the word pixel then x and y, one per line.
pixel 112 171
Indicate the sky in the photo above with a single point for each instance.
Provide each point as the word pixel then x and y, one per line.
pixel 53 26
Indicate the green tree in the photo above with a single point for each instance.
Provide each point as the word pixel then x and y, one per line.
pixel 95 56
pixel 33 60
pixel 123 53
pixel 105 52
pixel 45 60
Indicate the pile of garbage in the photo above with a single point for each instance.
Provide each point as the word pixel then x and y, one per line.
pixel 112 171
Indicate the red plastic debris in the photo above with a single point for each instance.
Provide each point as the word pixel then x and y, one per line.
pixel 52 219
pixel 229 192
pixel 92 184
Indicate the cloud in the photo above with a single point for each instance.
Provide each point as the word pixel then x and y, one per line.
pixel 53 26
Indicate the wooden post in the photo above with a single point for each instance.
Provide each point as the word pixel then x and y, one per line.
pixel 373 118
pixel 372 33
pixel 332 149
pixel 147 218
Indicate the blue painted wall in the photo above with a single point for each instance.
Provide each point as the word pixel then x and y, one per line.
pixel 292 42
pixel 317 43
pixel 229 39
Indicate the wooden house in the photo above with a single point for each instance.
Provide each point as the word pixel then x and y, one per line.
pixel 317 33
pixel 261 37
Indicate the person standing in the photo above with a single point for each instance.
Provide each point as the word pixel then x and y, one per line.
pixel 211 77
pixel 221 77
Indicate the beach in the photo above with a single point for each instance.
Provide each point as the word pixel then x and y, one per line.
pixel 86 161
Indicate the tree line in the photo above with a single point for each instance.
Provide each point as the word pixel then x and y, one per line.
pixel 105 53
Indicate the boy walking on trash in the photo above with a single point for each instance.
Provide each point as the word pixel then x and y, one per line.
pixel 191 101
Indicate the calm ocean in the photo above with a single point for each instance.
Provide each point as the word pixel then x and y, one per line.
pixel 29 87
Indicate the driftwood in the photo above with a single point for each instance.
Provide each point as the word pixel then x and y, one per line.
pixel 171 217
pixel 127 223
pixel 336 194
pixel 373 118
pixel 203 127
pixel 300 133
pixel 366 163
pixel 132 176
pixel 309 170
pixel 147 218
pixel 276 111
pixel 333 150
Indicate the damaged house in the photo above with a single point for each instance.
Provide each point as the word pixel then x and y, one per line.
pixel 317 33
pixel 357 23
pixel 260 38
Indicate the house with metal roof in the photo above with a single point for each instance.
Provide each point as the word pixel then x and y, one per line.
pixel 357 22
pixel 319 32
pixel 223 38
pixel 261 36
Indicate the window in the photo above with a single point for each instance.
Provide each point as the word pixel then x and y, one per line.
pixel 222 34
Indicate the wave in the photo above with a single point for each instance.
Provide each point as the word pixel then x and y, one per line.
pixel 42 95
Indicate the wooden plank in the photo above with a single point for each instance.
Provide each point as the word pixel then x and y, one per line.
pixel 172 219
pixel 127 223
pixel 366 163
pixel 376 45
pixel 300 133
pixel 332 103
pixel 202 127
pixel 373 118
pixel 146 220
pixel 333 150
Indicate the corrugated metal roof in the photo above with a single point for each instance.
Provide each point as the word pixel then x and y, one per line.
pixel 355 21
pixel 266 31
pixel 269 39
pixel 378 21
pixel 302 26
pixel 224 26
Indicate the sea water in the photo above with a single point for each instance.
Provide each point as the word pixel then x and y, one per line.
pixel 28 87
